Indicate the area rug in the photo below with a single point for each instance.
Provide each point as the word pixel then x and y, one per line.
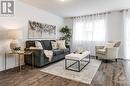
pixel 84 76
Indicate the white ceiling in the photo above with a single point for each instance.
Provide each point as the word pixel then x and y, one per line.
pixel 70 8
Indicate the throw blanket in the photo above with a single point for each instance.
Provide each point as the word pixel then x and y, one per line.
pixel 48 54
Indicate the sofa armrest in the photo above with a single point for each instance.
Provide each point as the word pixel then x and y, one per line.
pixel 39 57
pixel 68 46
pixel 112 52
pixel 35 51
pixel 28 49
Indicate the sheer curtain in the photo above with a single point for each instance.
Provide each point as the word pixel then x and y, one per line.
pixel 89 31
pixel 127 33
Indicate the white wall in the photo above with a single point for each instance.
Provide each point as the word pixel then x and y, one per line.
pixel 68 22
pixel 114 28
pixel 23 13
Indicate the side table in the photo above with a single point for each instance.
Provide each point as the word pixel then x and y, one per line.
pixel 19 53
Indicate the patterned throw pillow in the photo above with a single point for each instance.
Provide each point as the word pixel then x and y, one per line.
pixel 61 44
pixel 54 45
pixel 38 45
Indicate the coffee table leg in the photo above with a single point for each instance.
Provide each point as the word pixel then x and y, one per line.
pixel 89 58
pixel 65 63
pixel 78 66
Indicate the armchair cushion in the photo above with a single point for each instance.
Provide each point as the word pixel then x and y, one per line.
pixel 109 45
pixel 101 51
pixel 99 47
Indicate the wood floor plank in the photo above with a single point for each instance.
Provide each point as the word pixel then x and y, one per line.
pixel 108 74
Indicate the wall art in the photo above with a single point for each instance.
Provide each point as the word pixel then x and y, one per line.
pixel 38 30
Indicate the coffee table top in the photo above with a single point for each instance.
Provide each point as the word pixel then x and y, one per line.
pixel 75 56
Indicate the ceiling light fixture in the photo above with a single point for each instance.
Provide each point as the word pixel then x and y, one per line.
pixel 62 0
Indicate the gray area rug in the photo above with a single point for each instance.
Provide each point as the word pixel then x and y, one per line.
pixel 84 76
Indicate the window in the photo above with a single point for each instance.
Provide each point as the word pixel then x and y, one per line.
pixel 90 30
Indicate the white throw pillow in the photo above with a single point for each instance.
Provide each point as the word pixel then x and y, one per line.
pixel 54 45
pixel 109 45
pixel 38 45
pixel 61 44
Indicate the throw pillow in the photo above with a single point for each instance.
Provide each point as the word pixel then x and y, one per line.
pixel 109 45
pixel 38 45
pixel 54 45
pixel 61 44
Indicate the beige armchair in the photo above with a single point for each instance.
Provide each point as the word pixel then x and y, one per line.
pixel 109 51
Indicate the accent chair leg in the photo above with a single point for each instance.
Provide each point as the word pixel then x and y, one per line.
pixel 96 57
pixel 116 60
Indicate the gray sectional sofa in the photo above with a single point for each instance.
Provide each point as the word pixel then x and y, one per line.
pixel 39 57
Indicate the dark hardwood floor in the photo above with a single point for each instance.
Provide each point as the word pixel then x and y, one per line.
pixel 108 74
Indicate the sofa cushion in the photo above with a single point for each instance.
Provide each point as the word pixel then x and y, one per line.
pixel 46 44
pixel 66 50
pixel 57 52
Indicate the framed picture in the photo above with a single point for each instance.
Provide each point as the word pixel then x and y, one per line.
pixel 38 30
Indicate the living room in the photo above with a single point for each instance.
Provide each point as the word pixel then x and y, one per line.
pixel 64 43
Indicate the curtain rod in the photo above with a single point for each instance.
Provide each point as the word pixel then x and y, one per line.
pixel 124 10
pixel 109 12
pixel 92 14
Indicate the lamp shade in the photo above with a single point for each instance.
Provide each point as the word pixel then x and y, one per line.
pixel 14 34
